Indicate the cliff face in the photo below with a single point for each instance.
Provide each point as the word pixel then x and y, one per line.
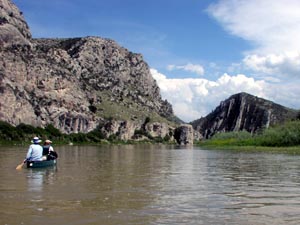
pixel 242 112
pixel 13 28
pixel 74 84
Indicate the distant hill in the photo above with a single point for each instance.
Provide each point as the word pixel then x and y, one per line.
pixel 243 112
pixel 75 84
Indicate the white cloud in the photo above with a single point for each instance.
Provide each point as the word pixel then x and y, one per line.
pixel 272 26
pixel 287 64
pixel 194 98
pixel 198 69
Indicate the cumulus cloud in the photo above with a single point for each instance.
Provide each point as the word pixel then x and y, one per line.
pixel 198 69
pixel 272 27
pixel 193 98
pixel 287 63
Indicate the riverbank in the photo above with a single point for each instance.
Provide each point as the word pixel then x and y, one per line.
pixel 283 138
pixel 23 133
pixel 202 145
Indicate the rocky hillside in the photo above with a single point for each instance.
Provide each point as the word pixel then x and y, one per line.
pixel 74 84
pixel 243 112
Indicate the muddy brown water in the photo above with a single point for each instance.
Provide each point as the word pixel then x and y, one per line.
pixel 152 184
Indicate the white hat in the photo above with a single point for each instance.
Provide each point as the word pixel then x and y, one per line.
pixel 48 141
pixel 35 140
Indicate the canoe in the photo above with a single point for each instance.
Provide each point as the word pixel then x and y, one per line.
pixel 39 164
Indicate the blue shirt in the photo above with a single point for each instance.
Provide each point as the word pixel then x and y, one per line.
pixel 34 153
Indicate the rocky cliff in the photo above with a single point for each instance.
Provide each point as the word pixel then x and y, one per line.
pixel 243 112
pixel 184 134
pixel 74 84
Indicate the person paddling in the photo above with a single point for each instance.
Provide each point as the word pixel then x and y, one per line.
pixel 35 150
pixel 34 153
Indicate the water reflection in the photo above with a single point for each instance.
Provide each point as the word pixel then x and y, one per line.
pixel 152 185
pixel 38 177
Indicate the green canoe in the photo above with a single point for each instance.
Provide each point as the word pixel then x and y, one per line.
pixel 39 164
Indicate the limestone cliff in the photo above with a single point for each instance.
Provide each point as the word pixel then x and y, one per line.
pixel 13 28
pixel 184 134
pixel 74 84
pixel 243 112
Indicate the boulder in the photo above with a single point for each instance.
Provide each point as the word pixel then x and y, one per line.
pixel 184 134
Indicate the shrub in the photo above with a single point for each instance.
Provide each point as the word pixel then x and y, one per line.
pixel 9 132
pixel 78 138
pixel 95 135
pixel 287 134
pixel 239 138
pixel 51 130
pixel 27 129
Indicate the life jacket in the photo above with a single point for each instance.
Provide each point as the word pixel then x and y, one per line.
pixel 46 149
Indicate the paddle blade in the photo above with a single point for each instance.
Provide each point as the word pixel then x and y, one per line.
pixel 19 167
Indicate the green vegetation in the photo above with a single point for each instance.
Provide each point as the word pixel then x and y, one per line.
pixel 283 135
pixel 23 133
pixel 280 136
pixel 240 138
pixel 124 108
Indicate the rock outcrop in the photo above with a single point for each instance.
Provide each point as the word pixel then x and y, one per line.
pixel 158 129
pixel 13 28
pixel 243 112
pixel 184 134
pixel 74 84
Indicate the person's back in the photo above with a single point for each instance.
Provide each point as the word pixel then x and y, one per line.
pixel 48 151
pixel 35 151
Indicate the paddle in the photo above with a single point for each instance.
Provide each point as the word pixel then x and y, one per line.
pixel 19 167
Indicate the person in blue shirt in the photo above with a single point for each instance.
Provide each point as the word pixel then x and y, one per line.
pixel 35 151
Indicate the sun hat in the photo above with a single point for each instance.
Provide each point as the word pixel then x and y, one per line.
pixel 48 141
pixel 35 140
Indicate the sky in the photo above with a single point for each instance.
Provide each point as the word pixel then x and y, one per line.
pixel 200 52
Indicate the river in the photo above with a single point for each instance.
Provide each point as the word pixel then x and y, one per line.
pixel 151 184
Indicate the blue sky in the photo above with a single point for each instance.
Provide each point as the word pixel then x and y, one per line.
pixel 200 52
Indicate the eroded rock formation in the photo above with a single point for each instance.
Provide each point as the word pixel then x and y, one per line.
pixel 243 112
pixel 74 83
pixel 184 134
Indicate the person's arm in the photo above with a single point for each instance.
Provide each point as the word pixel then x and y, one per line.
pixel 29 152
pixel 51 149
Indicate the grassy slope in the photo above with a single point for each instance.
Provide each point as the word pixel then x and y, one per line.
pixel 126 109
pixel 282 138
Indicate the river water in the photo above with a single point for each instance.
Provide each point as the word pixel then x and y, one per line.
pixel 152 184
